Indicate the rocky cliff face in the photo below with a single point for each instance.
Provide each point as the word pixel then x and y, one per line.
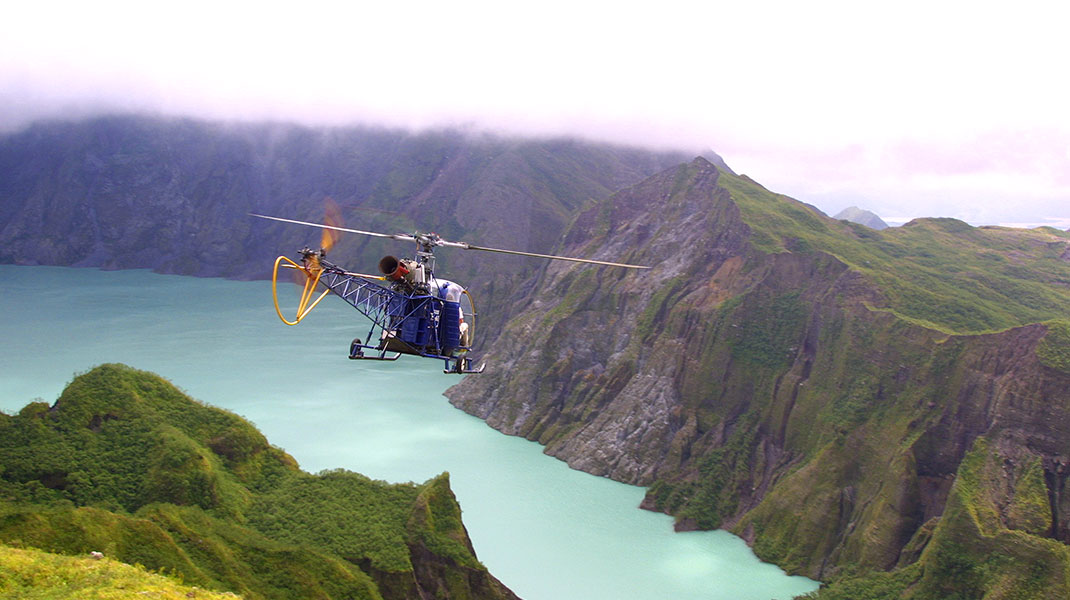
pixel 772 375
pixel 174 195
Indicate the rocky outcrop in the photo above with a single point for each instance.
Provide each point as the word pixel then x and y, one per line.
pixel 770 374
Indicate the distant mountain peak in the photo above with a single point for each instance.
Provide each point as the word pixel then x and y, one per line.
pixel 862 217
pixel 717 160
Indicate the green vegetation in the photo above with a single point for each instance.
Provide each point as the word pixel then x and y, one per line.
pixel 988 543
pixel 706 501
pixel 872 586
pixel 30 574
pixel 325 519
pixel 119 439
pixel 979 549
pixel 956 278
pixel 1054 349
pixel 127 465
pixel 768 329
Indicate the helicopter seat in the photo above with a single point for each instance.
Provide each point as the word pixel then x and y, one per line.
pixel 410 325
pixel 449 326
pixel 415 330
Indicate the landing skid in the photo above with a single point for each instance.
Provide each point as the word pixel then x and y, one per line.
pixel 459 366
pixel 380 357
pixel 356 352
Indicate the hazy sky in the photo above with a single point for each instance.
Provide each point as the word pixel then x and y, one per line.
pixel 906 108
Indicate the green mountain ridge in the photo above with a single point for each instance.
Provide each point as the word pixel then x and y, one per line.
pixel 816 386
pixel 125 464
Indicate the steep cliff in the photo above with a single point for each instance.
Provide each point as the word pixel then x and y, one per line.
pixel 814 385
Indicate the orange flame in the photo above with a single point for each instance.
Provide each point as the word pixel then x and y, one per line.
pixel 332 216
pixel 310 267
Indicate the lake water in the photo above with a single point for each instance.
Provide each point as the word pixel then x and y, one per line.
pixel 548 532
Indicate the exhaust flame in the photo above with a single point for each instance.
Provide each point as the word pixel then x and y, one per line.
pixel 332 216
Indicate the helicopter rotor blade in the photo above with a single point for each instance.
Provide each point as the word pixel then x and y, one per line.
pixel 550 256
pixel 393 236
pixel 434 240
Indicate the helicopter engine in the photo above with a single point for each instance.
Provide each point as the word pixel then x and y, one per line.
pixel 403 272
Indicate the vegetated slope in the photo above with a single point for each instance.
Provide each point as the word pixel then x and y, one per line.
pixel 867 407
pixel 29 573
pixel 125 464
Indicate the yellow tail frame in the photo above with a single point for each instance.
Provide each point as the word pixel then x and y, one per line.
pixel 312 279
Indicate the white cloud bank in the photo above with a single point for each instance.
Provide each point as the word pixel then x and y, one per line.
pixel 905 108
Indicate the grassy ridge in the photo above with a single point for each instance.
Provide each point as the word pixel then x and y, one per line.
pixel 942 273
pixel 126 464
pixel 31 574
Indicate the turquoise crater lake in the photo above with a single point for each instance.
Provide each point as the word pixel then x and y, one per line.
pixel 548 532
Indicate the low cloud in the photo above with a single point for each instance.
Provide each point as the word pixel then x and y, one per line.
pixel 915 108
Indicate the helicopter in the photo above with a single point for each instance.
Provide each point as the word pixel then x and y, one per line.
pixel 412 311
